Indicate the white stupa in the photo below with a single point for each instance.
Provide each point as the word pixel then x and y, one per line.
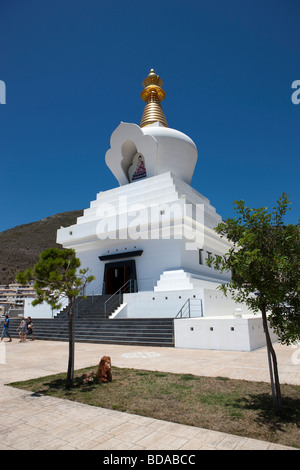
pixel 150 236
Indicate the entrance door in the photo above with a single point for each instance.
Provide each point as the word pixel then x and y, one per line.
pixel 117 274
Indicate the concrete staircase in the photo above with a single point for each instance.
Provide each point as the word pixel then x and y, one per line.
pixel 91 326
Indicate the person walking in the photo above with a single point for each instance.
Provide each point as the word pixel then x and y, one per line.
pixel 29 328
pixel 22 332
pixel 5 331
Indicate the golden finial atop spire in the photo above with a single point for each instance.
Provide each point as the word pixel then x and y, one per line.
pixel 153 94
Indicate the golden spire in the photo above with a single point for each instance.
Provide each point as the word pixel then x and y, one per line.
pixel 153 94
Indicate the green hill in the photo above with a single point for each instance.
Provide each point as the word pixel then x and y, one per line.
pixel 20 246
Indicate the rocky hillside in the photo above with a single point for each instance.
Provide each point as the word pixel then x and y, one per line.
pixel 20 246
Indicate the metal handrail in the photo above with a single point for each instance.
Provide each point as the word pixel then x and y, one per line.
pixel 116 298
pixel 186 309
pixel 92 290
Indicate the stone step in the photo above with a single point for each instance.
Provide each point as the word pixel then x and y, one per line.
pixel 153 323
pixel 155 332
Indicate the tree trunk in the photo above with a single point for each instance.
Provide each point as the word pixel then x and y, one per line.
pixel 70 373
pixel 273 365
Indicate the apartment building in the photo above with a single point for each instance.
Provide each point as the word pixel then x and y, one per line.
pixel 13 296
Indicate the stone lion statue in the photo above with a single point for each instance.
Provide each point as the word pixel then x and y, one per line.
pixel 104 370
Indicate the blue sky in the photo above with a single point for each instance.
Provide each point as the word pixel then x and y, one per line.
pixel 74 69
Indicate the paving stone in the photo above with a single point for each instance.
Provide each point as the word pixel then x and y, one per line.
pixel 33 422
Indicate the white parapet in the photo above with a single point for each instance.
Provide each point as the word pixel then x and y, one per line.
pixel 226 333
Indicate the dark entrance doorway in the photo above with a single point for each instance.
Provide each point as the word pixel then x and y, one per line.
pixel 117 274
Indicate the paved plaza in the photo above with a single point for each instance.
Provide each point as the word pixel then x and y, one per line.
pixel 36 422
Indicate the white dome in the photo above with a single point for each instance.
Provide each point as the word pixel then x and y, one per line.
pixel 160 132
pixel 176 152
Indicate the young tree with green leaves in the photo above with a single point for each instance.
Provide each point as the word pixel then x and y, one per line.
pixel 57 275
pixel 264 261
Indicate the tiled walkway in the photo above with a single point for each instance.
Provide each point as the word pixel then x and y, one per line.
pixel 39 422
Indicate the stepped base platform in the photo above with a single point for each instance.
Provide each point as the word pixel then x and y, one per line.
pixel 94 329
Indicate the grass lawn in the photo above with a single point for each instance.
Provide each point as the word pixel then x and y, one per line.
pixel 233 406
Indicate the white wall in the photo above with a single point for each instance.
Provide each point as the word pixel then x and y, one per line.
pixel 174 288
pixel 216 303
pixel 157 256
pixel 42 310
pixel 159 304
pixel 223 334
